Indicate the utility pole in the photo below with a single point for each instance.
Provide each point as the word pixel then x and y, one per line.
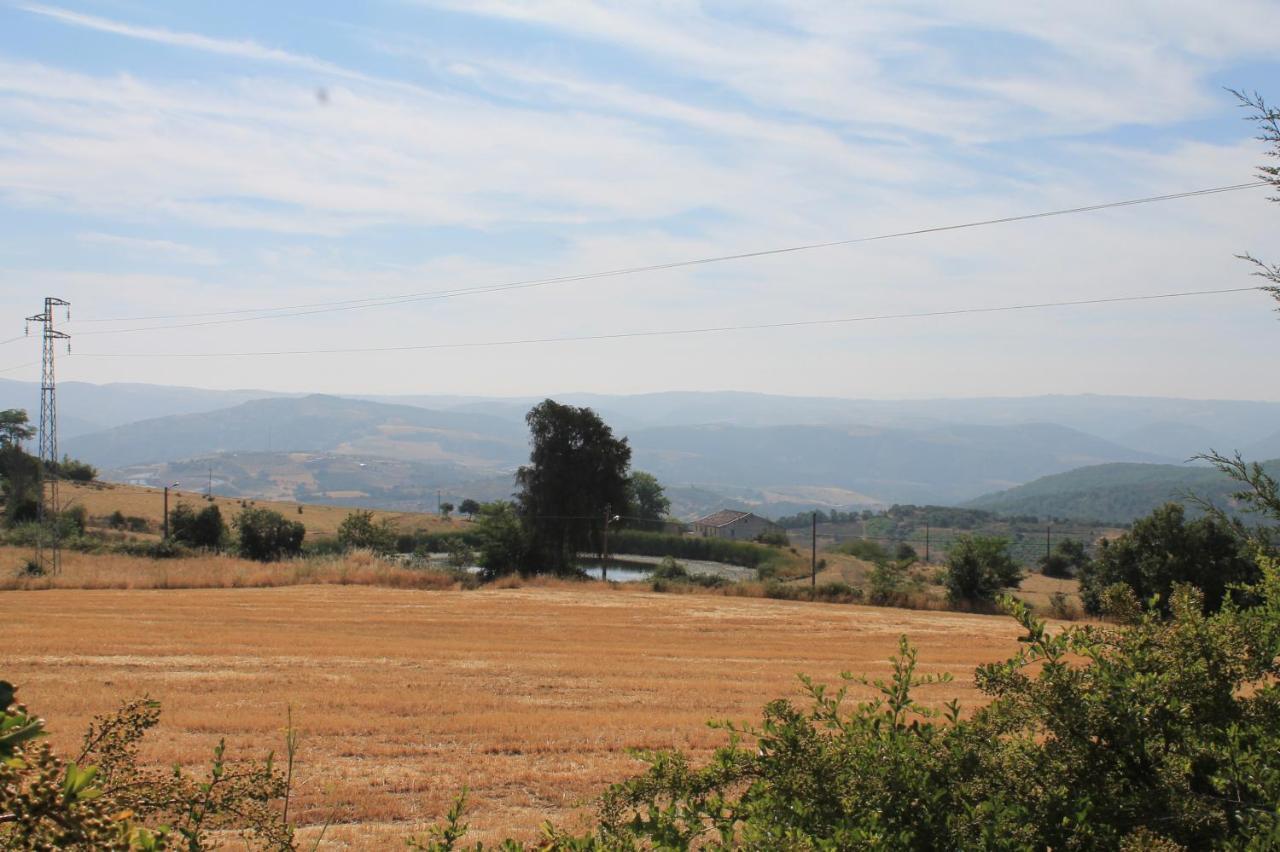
pixel 926 542
pixel 813 553
pixel 48 441
pixel 166 509
pixel 209 493
pixel 1047 533
pixel 604 546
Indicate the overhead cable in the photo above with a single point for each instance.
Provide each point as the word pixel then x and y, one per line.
pixel 674 332
pixel 308 309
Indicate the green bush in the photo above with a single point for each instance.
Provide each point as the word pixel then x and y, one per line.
pixel 360 530
pixel 978 567
pixel 105 800
pixel 1068 559
pixel 76 470
pixel 890 582
pixel 268 536
pixel 204 529
pixel 864 549
pixel 837 592
pixel 503 543
pixel 773 539
pixel 669 569
pixel 1163 549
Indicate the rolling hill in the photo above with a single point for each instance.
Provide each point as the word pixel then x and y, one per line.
pixel 783 466
pixel 1114 492
pixel 315 423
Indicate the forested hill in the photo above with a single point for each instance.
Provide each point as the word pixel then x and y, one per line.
pixel 1119 492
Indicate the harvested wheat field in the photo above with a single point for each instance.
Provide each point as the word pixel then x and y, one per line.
pixel 531 697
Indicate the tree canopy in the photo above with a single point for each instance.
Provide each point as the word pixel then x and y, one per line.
pixel 14 428
pixel 646 504
pixel 1163 549
pixel 577 471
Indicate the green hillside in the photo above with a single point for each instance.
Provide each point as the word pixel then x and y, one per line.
pixel 1112 492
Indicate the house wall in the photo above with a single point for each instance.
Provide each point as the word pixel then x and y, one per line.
pixel 743 529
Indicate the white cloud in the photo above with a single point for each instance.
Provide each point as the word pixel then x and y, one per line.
pixel 144 248
pixel 851 120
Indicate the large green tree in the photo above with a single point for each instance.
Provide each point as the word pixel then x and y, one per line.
pixel 647 505
pixel 1163 549
pixel 577 473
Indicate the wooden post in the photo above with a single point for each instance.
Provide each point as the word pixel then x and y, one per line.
pixel 604 557
pixel 813 554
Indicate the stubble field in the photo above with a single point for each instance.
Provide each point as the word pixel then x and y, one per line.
pixel 531 697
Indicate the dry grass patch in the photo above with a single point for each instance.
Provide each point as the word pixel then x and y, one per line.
pixel 100 499
pixel 530 696
pixel 213 571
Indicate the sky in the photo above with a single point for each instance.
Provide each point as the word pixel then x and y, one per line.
pixel 179 171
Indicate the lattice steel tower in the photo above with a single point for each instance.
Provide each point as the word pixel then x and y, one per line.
pixel 48 545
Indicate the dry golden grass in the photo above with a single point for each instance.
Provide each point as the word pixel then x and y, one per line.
pixel 530 696
pixel 100 499
pixel 212 571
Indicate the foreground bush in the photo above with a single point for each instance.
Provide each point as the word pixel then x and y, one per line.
pixel 104 800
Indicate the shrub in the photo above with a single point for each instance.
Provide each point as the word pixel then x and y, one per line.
pixel 73 520
pixel 116 520
pixel 460 555
pixel 503 543
pixel 105 800
pixel 76 470
pixel 268 536
pixel 203 529
pixel 837 592
pixel 890 583
pixel 1068 559
pixel 359 530
pixel 774 538
pixel 669 569
pixel 978 567
pixel 864 549
pixel 1061 607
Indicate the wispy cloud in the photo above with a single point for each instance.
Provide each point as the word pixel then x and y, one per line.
pixel 144 248
pixel 516 147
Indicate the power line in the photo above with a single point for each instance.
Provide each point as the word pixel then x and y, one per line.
pixel 19 366
pixel 12 340
pixel 675 332
pixel 307 309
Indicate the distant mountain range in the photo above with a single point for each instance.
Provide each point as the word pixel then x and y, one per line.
pixel 1115 492
pixel 772 454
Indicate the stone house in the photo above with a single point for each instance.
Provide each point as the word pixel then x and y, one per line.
pixel 732 524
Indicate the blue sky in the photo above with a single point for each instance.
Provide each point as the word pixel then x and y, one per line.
pixel 161 159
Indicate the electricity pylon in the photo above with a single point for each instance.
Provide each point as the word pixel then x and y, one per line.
pixel 48 544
